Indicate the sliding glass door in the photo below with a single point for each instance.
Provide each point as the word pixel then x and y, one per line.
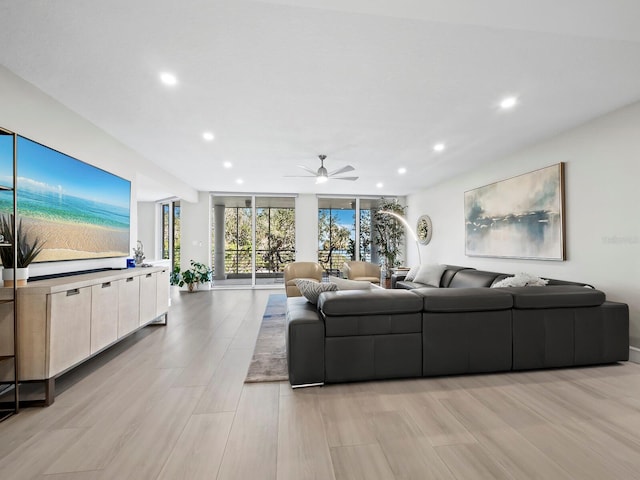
pixel 253 238
pixel 275 238
pixel 336 233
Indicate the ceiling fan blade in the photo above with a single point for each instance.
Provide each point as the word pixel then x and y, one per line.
pixel 300 176
pixel 307 169
pixel 345 169
pixel 344 178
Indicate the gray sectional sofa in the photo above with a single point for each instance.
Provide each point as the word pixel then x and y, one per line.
pixel 462 327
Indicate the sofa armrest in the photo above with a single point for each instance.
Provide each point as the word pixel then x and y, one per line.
pixel 305 343
pixel 397 277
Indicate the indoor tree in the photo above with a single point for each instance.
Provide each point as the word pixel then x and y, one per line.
pixel 389 233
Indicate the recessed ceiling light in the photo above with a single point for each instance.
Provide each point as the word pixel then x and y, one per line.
pixel 438 147
pixel 379 185
pixel 227 164
pixel 508 102
pixel 402 170
pixel 239 181
pixel 208 136
pixel 168 78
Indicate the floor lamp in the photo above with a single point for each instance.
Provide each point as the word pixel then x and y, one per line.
pixel 406 224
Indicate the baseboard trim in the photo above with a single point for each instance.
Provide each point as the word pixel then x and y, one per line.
pixel 634 354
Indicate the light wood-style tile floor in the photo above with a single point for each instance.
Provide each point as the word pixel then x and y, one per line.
pixel 170 403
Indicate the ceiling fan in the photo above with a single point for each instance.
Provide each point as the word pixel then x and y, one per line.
pixel 322 174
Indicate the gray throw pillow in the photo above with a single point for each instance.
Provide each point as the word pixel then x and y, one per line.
pixel 311 290
pixel 430 274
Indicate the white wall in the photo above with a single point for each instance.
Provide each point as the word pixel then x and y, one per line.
pixel 602 183
pixel 307 228
pixel 195 231
pixel 149 230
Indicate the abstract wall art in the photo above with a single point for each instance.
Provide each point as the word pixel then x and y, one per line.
pixel 521 217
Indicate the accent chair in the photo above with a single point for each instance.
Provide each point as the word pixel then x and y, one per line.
pixel 305 270
pixel 365 271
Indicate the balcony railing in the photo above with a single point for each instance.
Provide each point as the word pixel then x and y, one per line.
pixel 268 262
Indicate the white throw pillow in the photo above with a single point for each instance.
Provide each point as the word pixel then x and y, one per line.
pixel 344 284
pixel 521 280
pixel 411 274
pixel 430 274
pixel 311 290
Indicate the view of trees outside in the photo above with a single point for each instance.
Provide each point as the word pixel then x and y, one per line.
pixel 237 240
pixel 337 231
pixel 336 237
pixel 365 234
pixel 165 231
pixel 171 232
pixel 176 234
pixel 275 239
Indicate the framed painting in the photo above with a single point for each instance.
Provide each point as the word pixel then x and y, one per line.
pixel 521 217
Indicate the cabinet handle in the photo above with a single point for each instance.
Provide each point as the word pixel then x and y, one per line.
pixel 106 285
pixel 75 291
pixel 149 275
pixel 130 279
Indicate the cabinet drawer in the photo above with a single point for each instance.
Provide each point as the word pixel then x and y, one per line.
pixel 104 315
pixel 70 314
pixel 162 293
pixel 128 305
pixel 148 300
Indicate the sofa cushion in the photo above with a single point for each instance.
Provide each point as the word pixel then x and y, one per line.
pixel 310 289
pixel 358 325
pixel 403 284
pixel 464 299
pixel 365 302
pixel 473 278
pixel 449 273
pixel 560 296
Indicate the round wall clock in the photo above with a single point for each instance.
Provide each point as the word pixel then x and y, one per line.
pixel 424 229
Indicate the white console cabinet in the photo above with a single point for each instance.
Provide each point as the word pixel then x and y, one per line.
pixel 64 321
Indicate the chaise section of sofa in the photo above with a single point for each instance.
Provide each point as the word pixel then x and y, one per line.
pixel 305 343
pixel 465 330
pixel 371 334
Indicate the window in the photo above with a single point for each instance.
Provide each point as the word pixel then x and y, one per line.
pixel 340 221
pixel 166 239
pixel 170 221
pixel 336 232
pixel 247 250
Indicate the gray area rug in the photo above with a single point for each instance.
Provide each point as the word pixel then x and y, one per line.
pixel 269 362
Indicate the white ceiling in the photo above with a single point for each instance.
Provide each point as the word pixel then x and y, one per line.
pixel 370 83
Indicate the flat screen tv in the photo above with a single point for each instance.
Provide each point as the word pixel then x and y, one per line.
pixel 78 210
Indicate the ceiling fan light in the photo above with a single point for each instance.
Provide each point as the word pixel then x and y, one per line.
pixel 322 179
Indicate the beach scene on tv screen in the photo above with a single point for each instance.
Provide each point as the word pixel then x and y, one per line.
pixel 79 211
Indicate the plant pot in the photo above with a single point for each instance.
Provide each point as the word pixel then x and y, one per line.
pixel 22 274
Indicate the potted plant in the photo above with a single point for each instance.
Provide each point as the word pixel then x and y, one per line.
pixel 389 234
pixel 198 273
pixel 27 250
pixel 174 277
